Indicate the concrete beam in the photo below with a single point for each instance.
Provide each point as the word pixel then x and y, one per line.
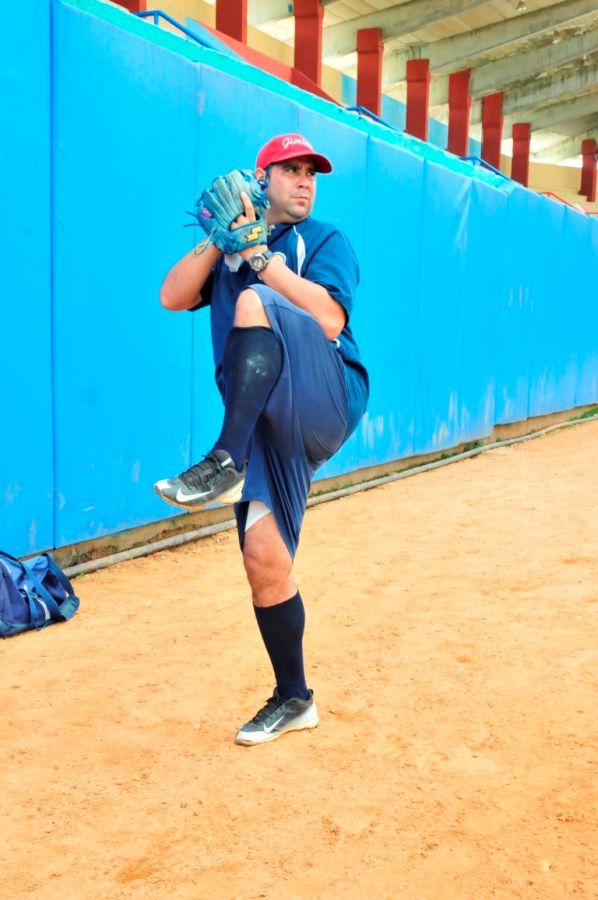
pixel 339 40
pixel 271 10
pixel 578 108
pixel 536 93
pixel 459 52
pixel 542 117
pixel 566 149
pixel 495 76
pixel 268 11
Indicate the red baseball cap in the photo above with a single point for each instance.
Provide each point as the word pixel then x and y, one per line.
pixel 290 146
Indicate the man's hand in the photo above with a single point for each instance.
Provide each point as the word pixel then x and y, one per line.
pixel 246 218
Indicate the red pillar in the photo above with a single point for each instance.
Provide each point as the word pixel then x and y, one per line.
pixel 418 95
pixel 309 16
pixel 459 109
pixel 589 149
pixel 134 6
pixel 231 18
pixel 369 69
pixel 492 122
pixel 522 133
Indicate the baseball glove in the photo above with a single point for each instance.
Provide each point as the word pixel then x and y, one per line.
pixel 221 203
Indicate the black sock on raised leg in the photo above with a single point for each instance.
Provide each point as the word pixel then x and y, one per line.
pixel 250 367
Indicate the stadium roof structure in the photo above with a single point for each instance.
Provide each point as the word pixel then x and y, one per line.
pixel 541 54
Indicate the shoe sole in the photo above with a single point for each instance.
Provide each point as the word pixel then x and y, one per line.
pixel 301 723
pixel 233 495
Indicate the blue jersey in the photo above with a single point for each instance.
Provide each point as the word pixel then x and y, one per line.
pixel 315 250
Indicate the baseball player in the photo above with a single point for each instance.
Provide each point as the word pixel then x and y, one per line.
pixel 280 287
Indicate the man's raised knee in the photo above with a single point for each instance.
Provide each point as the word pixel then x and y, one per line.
pixel 249 310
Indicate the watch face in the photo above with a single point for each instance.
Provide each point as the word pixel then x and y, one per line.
pixel 259 261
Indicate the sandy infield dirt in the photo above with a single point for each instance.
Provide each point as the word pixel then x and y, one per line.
pixel 451 643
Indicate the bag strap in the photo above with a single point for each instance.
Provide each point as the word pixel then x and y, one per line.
pixel 59 574
pixel 68 607
pixel 45 595
pixel 13 559
pixel 58 613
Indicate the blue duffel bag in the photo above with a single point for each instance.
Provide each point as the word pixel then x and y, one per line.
pixel 33 594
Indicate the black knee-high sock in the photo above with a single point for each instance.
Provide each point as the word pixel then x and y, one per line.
pixel 281 627
pixel 250 366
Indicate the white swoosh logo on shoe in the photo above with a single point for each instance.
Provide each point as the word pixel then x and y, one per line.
pixel 270 728
pixel 183 498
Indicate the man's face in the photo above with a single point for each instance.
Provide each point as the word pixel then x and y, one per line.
pixel 291 190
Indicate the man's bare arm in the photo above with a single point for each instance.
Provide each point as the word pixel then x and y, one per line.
pixel 182 286
pixel 311 297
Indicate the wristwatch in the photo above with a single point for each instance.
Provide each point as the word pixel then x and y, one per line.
pixel 259 261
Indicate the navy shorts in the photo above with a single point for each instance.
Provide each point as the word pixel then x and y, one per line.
pixel 305 420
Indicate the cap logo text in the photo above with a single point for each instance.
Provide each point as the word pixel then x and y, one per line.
pixel 292 141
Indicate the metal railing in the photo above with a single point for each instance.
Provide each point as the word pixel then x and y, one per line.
pixel 157 14
pixel 478 161
pixel 364 111
pixel 576 206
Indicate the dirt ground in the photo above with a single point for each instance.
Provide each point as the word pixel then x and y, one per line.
pixel 451 643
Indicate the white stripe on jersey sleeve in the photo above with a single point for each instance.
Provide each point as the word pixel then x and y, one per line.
pixel 300 250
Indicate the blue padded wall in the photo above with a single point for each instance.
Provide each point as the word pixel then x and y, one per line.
pixel 476 305
pixel 571 326
pixel 127 141
pixel 445 233
pixel 580 249
pixel 515 314
pixel 386 316
pixel 549 292
pixel 479 350
pixel 26 440
pixel 582 243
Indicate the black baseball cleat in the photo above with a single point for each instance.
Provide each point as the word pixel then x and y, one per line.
pixel 276 718
pixel 213 479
